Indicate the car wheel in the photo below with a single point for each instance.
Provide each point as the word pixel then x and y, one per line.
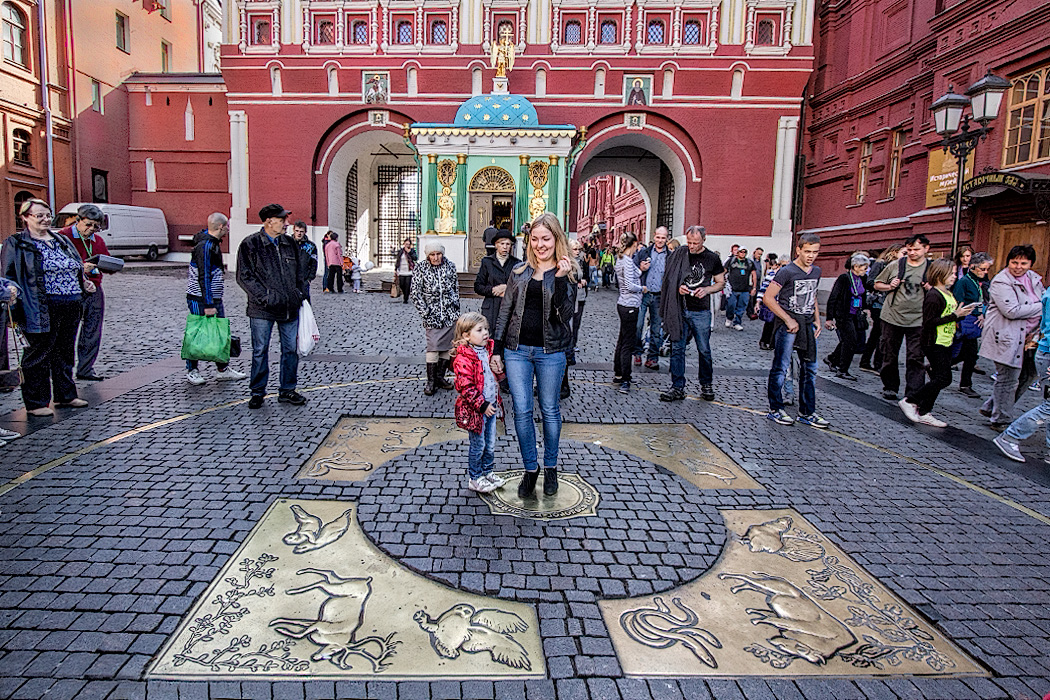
pixel 152 254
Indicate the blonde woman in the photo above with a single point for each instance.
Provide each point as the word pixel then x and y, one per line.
pixel 533 335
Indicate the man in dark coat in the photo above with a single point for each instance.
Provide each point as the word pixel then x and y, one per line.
pixel 270 271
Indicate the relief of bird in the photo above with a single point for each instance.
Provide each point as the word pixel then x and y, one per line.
pixel 462 628
pixel 313 533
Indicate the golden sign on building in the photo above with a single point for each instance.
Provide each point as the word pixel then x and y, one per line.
pixel 942 176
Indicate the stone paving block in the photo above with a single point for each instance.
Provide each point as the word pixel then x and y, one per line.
pixel 288 690
pixel 572 689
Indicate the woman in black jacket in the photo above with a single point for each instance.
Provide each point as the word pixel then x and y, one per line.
pixel 491 280
pixel 533 333
pixel 50 273
pixel 846 315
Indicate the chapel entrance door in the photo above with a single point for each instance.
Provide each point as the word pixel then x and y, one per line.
pixel 491 199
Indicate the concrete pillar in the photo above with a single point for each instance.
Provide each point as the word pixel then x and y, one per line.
pixel 462 201
pixel 784 177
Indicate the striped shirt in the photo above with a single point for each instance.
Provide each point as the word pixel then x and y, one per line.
pixel 629 277
pixel 214 278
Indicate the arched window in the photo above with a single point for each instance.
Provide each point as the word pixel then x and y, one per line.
pixel 326 32
pixel 359 32
pixel 16 43
pixel 438 32
pixel 19 199
pixel 333 80
pixel 261 34
pixel 541 82
pixel 275 81
pixel 692 32
pixel 608 32
pixel 404 32
pixel 20 140
pixel 764 32
pixel 573 32
pixel 655 33
pixel 475 81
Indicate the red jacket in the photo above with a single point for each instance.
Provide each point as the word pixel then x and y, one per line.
pixel 98 247
pixel 470 383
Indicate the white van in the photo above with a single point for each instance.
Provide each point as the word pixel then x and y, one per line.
pixel 126 230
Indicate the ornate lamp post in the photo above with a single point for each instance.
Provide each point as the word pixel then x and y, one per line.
pixel 983 98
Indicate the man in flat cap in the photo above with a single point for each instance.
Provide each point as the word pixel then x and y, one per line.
pixel 82 232
pixel 269 270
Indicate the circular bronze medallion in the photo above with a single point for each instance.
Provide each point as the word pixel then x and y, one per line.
pixel 575 498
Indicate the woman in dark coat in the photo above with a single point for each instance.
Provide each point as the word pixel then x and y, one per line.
pixel 846 315
pixel 491 280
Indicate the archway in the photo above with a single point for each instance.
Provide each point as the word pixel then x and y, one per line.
pixel 612 203
pixel 492 192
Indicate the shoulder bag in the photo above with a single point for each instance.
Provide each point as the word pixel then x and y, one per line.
pixel 12 378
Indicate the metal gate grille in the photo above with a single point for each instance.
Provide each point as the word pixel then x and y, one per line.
pixel 665 199
pixel 398 190
pixel 351 211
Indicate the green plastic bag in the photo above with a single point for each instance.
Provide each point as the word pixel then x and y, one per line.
pixel 206 338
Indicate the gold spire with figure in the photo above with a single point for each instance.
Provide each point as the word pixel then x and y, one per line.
pixel 503 52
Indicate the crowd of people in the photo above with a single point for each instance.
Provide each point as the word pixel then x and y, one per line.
pixel 945 312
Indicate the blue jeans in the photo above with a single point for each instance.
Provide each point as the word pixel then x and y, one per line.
pixel 736 305
pixel 650 303
pixel 783 347
pixel 548 368
pixel 697 323
pixel 197 309
pixel 261 331
pixel 482 455
pixel 1025 426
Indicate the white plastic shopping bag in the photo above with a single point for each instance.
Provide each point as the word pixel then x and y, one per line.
pixel 309 333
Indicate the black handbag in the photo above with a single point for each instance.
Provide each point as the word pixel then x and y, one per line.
pixel 11 378
pixel 235 346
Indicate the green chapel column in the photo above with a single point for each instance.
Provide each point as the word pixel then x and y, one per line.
pixel 461 194
pixel 553 190
pixel 521 209
pixel 431 192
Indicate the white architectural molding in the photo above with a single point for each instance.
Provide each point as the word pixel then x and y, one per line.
pixel 784 174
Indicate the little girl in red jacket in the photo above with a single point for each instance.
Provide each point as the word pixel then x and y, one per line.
pixel 478 406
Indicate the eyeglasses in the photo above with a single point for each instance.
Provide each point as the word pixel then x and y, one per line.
pixel 41 216
pixel 92 226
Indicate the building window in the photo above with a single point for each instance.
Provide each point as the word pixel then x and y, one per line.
pixel 608 32
pixel 165 57
pixel 151 175
pixel 15 38
pixel 20 141
pixel 123 40
pixel 325 32
pixel 96 96
pixel 863 171
pixel 655 33
pixel 764 32
pixel 359 32
pixel 165 9
pixel 99 186
pixel 692 32
pixel 20 198
pixel 404 32
pixel 261 34
pixel 1028 125
pixel 896 158
pixel 573 32
pixel 438 32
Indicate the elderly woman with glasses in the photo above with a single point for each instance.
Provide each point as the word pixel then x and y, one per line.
pixel 51 275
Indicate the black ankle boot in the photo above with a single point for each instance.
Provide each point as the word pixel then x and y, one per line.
pixel 527 487
pixel 431 373
pixel 550 482
pixel 439 377
pixel 565 385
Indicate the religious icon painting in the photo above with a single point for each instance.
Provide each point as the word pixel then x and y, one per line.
pixel 637 89
pixel 376 87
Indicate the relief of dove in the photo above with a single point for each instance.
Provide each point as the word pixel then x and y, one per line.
pixel 313 533
pixel 462 628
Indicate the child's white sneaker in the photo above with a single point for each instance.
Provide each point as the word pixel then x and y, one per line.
pixel 494 479
pixel 481 485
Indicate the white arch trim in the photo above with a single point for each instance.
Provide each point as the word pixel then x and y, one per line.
pixel 337 142
pixel 681 147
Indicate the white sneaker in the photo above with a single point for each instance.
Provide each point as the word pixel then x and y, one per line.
pixel 194 377
pixel 9 434
pixel 481 485
pixel 738 327
pixel 928 419
pixel 910 410
pixel 495 479
pixel 230 375
pixel 729 324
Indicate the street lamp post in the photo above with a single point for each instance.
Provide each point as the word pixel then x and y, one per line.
pixel 983 98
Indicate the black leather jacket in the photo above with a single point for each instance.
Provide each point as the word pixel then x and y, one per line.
pixel 21 262
pixel 492 274
pixel 271 275
pixel 559 301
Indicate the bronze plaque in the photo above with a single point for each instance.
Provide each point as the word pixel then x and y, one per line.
pixel 307 595
pixel 781 601
pixel 678 447
pixel 575 498
pixel 356 445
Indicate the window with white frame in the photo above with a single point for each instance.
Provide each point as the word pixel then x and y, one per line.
pixel 573 32
pixel 16 36
pixel 438 32
pixel 609 33
pixel 96 96
pixel 404 32
pixel 692 32
pixel 765 30
pixel 1028 119
pixel 123 40
pixel 655 32
pixel 261 33
pixel 863 171
pixel 359 32
pixel 325 31
pixel 893 179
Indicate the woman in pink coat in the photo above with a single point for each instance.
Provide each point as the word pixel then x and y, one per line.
pixel 333 260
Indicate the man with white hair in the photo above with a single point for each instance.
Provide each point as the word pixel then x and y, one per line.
pixel 693 275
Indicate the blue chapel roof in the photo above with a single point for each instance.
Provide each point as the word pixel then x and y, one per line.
pixel 497 111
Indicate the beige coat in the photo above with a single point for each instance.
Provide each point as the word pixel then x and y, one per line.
pixel 1002 339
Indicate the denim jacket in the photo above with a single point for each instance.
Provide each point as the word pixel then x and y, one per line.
pixel 559 301
pixel 21 262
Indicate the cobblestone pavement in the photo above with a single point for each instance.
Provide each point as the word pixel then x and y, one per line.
pixel 116 518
